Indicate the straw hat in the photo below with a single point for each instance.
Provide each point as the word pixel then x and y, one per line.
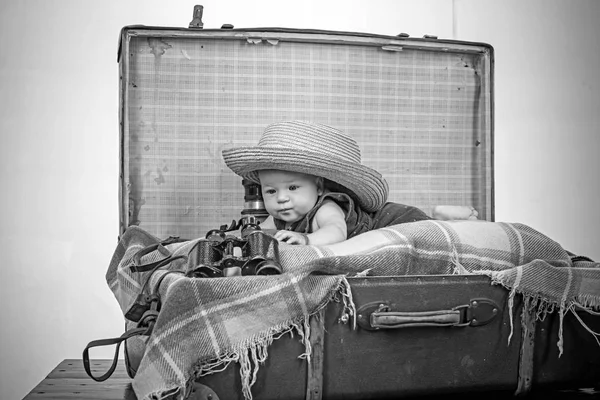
pixel 313 149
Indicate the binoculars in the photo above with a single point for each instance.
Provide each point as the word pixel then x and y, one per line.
pixel 223 255
pixel 219 254
pixel 254 253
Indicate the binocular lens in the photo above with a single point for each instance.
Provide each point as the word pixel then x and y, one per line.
pixel 261 266
pixel 268 267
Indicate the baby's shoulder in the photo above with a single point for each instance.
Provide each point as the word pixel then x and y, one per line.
pixel 329 213
pixel 329 206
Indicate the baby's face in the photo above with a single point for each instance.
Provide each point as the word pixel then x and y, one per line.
pixel 289 196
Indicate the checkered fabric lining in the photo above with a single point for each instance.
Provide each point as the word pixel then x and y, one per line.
pixel 422 118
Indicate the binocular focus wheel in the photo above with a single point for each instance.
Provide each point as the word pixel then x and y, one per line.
pixel 232 271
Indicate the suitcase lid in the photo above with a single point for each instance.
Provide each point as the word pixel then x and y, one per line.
pixel 420 108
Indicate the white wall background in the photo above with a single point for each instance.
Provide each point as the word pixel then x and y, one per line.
pixel 59 140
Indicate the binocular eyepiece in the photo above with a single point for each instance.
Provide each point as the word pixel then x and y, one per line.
pixel 254 204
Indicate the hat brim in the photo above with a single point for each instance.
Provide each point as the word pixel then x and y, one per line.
pixel 367 184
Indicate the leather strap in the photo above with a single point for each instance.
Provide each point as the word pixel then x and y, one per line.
pixel 160 280
pixel 314 378
pixel 158 265
pixel 149 316
pixel 108 342
pixel 525 379
pixel 138 267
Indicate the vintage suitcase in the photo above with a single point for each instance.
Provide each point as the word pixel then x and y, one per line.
pixel 422 112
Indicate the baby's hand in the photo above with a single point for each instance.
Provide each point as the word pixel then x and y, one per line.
pixel 291 237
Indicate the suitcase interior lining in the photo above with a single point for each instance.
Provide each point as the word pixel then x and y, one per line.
pixel 421 117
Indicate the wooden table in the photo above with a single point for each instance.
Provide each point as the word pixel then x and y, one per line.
pixel 70 381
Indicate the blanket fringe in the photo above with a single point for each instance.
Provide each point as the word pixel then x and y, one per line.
pixel 589 303
pixel 542 306
pixel 248 354
pixel 249 363
pixel 349 307
pixel 253 352
pixel 458 268
pixel 511 302
pixel 596 335
pixel 175 392
pixel 304 332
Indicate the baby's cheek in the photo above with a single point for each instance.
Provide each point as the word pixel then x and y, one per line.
pixel 268 205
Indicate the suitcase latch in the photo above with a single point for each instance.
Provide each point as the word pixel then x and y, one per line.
pixel 381 315
pixel 196 21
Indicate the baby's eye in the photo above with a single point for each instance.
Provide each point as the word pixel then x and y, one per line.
pixel 270 191
pixel 293 187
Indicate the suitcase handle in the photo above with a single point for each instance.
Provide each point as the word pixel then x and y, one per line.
pixel 398 319
pixel 380 315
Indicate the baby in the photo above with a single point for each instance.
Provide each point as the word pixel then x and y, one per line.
pixel 289 196
pixel 315 187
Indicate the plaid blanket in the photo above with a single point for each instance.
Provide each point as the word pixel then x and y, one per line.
pixel 205 324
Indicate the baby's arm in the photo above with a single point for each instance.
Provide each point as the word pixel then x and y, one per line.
pixel 329 225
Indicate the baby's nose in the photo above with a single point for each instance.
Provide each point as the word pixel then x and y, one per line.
pixel 282 197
